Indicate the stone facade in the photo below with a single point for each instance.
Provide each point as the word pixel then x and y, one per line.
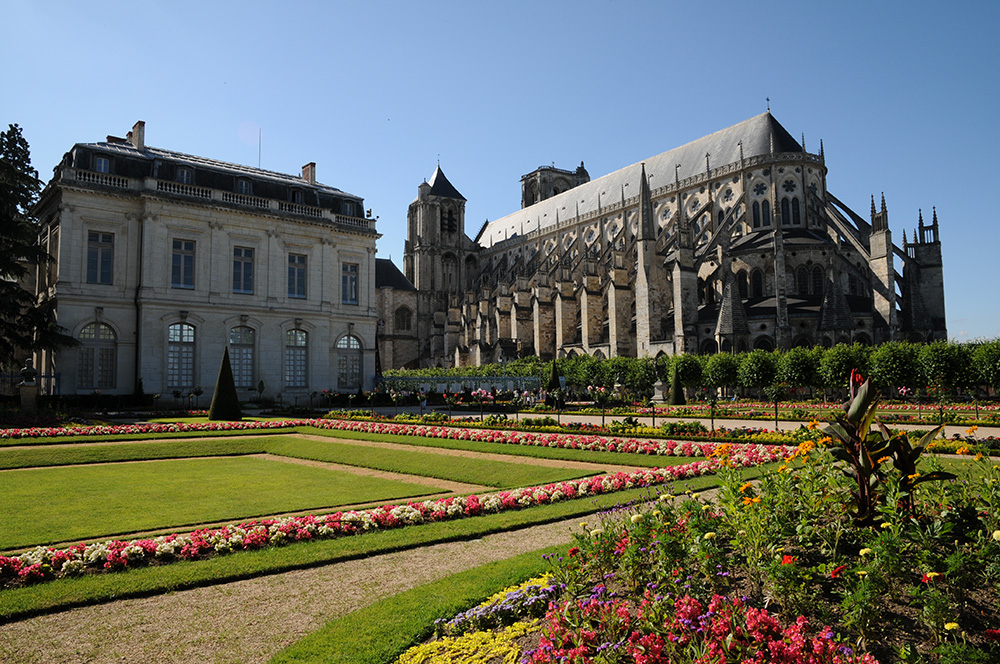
pixel 163 259
pixel 730 242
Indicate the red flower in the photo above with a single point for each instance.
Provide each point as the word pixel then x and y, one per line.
pixel 837 570
pixel 573 551
pixel 993 634
pixel 788 560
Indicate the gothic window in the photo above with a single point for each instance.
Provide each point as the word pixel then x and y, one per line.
pixel 756 214
pixel 812 187
pixel 180 356
pixel 788 185
pixel 818 277
pixel 796 216
pixel 721 216
pixel 759 189
pixel 852 284
pixel 786 211
pixel 241 345
pixel 802 281
pixel 757 284
pixel 741 284
pixel 296 358
pixel 728 196
pixel 404 318
pixel 97 357
pixel 449 223
pixel 449 267
pixel 765 209
pixel 694 203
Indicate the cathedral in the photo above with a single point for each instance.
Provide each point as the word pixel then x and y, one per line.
pixel 731 242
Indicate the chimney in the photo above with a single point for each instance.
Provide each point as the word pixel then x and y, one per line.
pixel 309 172
pixel 137 137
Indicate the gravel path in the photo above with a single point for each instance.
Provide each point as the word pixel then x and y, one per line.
pixel 249 621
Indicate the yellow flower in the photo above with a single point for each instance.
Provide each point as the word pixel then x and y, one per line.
pixel 996 535
pixel 932 575
pixel 979 456
pixel 886 525
pixel 882 460
pixel 952 626
pixel 709 536
pixel 596 531
pixel 864 552
pixel 583 525
pixel 913 476
pixel 638 518
pixel 656 512
pixel 665 497
pixel 705 508
pixel 780 549
pixel 782 468
pixel 861 572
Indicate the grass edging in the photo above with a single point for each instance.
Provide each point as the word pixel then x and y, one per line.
pixel 62 594
pixel 380 632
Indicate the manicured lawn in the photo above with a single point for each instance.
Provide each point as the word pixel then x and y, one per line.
pixel 63 504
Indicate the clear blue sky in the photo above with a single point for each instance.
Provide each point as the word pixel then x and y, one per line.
pixel 904 95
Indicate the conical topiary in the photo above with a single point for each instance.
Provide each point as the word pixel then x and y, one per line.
pixel 676 393
pixel 225 400
pixel 554 383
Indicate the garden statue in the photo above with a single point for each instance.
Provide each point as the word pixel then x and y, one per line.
pixel 29 388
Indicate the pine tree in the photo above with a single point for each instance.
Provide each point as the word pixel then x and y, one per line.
pixel 225 400
pixel 24 326
pixel 676 397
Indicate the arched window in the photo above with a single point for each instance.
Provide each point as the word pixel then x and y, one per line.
pixel 818 277
pixel 449 267
pixel 757 284
pixel 802 280
pixel 180 356
pixel 786 211
pixel 97 357
pixel 756 214
pixel 296 358
pixel 741 284
pixel 796 216
pixel 241 345
pixel 349 363
pixel 765 209
pixel 404 318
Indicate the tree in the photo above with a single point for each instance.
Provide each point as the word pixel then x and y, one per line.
pixel 676 393
pixel 24 325
pixel 894 364
pixel 758 368
pixel 688 369
pixel 721 370
pixel 798 367
pixel 837 363
pixel 225 400
pixel 986 361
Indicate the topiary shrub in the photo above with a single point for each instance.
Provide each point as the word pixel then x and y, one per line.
pixel 225 400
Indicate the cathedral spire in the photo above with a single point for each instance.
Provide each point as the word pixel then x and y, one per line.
pixel 873 207
pixel 646 225
pixel 822 155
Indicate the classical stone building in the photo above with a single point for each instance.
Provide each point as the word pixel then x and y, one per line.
pixel 730 242
pixel 163 259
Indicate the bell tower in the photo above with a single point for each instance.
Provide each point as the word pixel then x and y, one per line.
pixel 436 245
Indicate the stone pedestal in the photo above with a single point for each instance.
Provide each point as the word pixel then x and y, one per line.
pixel 29 399
pixel 660 391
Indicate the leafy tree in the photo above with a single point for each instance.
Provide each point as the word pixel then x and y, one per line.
pixel 837 363
pixel 721 370
pixel 688 369
pixel 894 364
pixel 986 363
pixel 24 326
pixel 757 369
pixel 225 400
pixel 946 364
pixel 799 367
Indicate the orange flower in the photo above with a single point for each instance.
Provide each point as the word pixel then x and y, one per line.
pixel 812 425
pixel 747 485
pixel 747 500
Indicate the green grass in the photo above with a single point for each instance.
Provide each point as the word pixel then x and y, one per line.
pixel 382 631
pixel 86 502
pixel 18 603
pixel 13 457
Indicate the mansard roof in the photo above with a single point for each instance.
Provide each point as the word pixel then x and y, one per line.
pixel 760 135
pixel 441 187
pixel 148 158
pixel 387 275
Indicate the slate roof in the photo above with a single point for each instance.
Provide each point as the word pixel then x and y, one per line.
pixel 387 275
pixel 756 135
pixel 440 186
pixel 151 154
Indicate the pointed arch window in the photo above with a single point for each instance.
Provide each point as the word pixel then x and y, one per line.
pixel 802 280
pixel 786 211
pixel 796 215
pixel 818 277
pixel 97 357
pixel 742 284
pixel 765 209
pixel 403 319
pixel 756 214
pixel 757 284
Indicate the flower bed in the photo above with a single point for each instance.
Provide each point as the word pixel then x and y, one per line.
pixel 45 563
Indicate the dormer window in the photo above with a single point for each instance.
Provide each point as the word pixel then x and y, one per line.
pixel 243 187
pixel 297 196
pixel 185 176
pixel 102 164
pixel 349 209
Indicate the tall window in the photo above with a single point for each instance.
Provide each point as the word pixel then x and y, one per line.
pixel 796 215
pixel 242 270
pixel 180 356
pixel 802 281
pixel 182 264
pixel 349 363
pixel 756 214
pixel 241 343
pixel 96 367
pixel 765 208
pixel 100 257
pixel 756 284
pixel 818 279
pixel 450 272
pixel 741 284
pixel 786 211
pixel 404 318
pixel 296 358
pixel 349 283
pixel 296 275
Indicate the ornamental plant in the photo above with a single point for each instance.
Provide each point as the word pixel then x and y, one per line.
pixel 865 452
